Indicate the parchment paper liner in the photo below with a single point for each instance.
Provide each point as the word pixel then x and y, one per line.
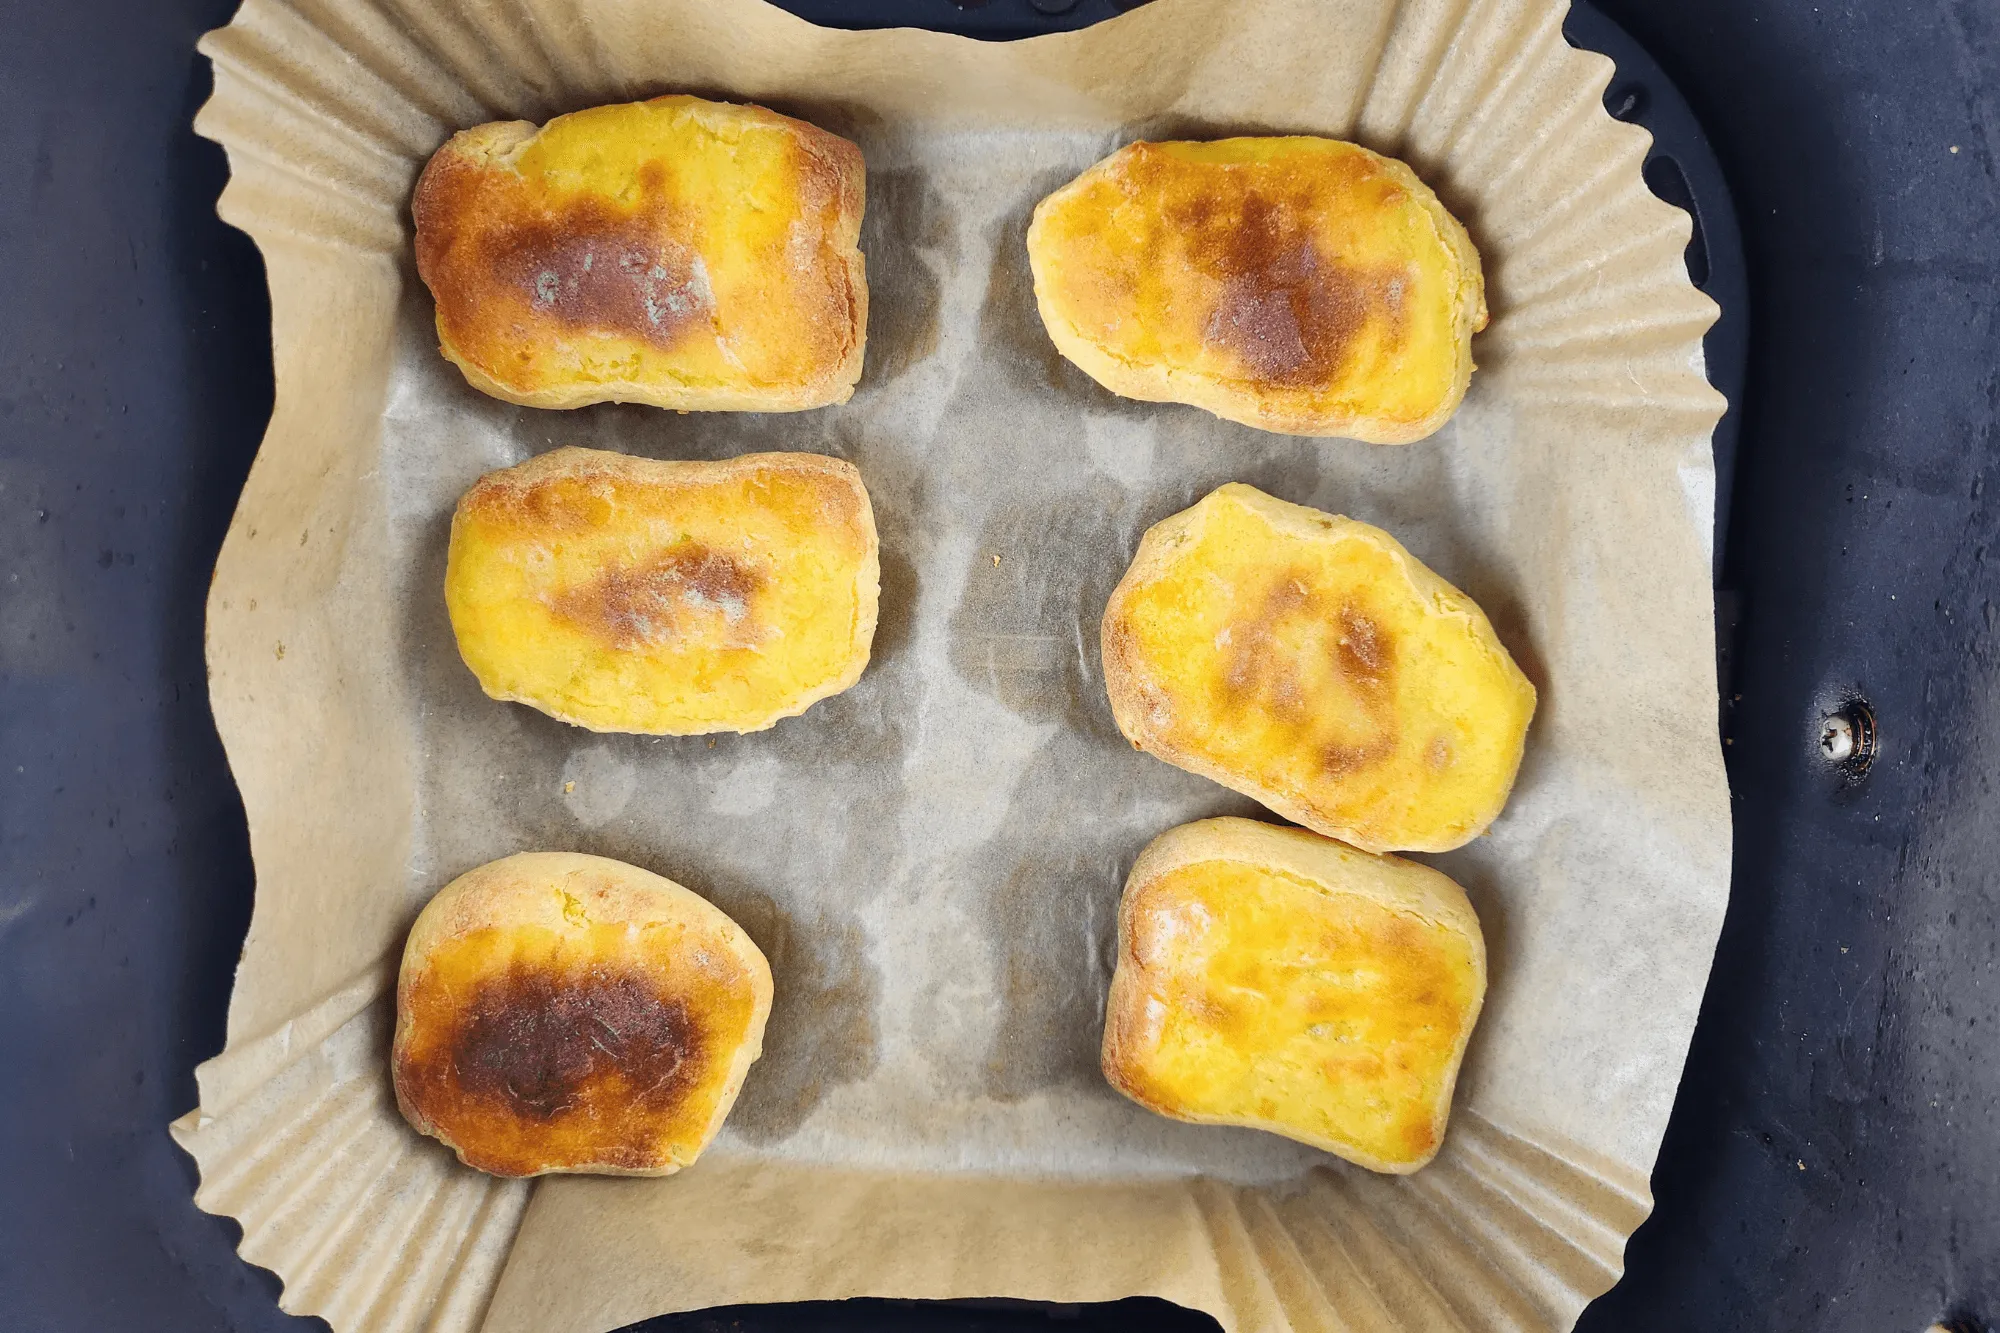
pixel 927 1124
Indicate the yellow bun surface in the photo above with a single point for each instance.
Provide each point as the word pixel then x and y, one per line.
pixel 1301 285
pixel 669 598
pixel 1272 978
pixel 560 1012
pixel 687 254
pixel 1311 662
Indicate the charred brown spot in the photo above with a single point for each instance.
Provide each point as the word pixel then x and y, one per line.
pixel 1339 760
pixel 1258 671
pixel 517 260
pixel 1361 653
pixel 654 602
pixel 1291 313
pixel 1251 656
pixel 536 1042
pixel 582 263
pixel 1364 655
pixel 586 267
pixel 1288 309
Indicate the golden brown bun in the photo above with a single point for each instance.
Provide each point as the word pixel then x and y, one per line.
pixel 560 1012
pixel 668 598
pixel 1272 978
pixel 1311 662
pixel 1297 284
pixel 688 254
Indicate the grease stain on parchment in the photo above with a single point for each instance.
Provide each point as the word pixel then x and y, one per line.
pixel 1010 320
pixel 821 1031
pixel 598 783
pixel 1025 630
pixel 906 231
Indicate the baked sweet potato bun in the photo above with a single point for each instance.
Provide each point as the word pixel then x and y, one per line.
pixel 558 1012
pixel 1300 285
pixel 668 598
pixel 1311 662
pixel 687 254
pixel 1272 978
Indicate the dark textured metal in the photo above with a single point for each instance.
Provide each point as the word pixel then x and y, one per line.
pixel 1834 1159
pixel 135 380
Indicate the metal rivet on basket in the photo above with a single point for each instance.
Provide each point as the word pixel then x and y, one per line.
pixel 1847 737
